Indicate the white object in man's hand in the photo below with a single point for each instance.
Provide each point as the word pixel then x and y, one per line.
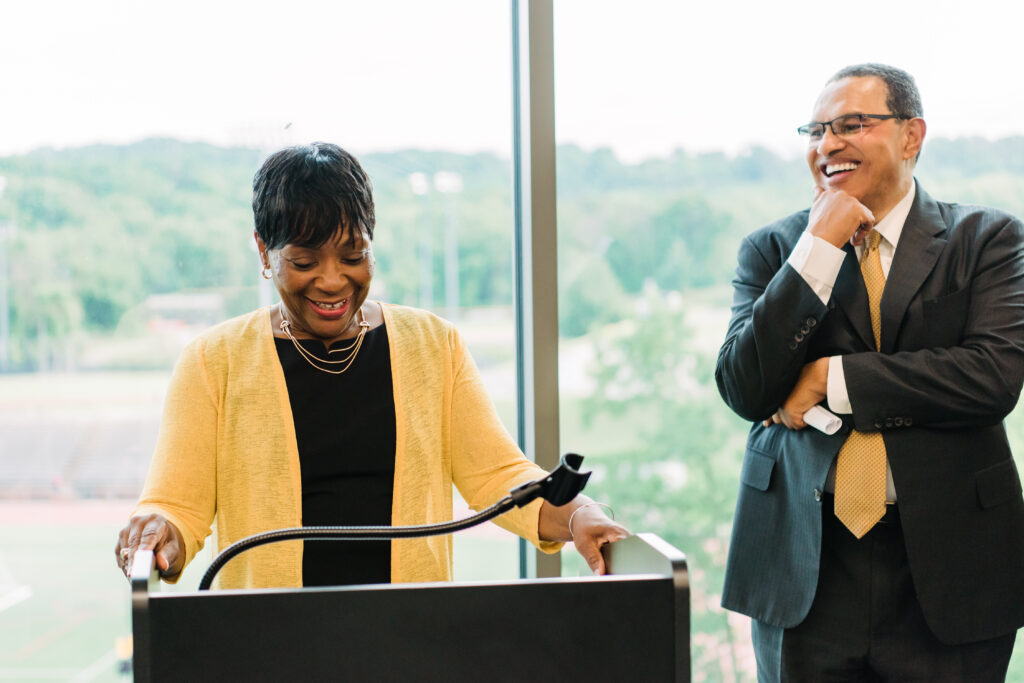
pixel 823 420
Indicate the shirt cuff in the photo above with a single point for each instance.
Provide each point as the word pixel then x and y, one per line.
pixel 835 390
pixel 818 263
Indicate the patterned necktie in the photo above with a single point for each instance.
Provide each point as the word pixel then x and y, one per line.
pixel 860 469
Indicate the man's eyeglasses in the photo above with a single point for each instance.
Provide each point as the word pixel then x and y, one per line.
pixel 845 125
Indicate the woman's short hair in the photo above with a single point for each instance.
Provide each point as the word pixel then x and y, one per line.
pixel 302 195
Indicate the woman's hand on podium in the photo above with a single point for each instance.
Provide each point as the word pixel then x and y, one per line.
pixel 151 532
pixel 583 522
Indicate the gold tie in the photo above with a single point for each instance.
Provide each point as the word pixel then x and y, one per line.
pixel 860 469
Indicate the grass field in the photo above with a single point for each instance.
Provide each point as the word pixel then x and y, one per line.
pixel 64 604
pixel 74 604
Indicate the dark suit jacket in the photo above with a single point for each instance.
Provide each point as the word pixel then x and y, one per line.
pixel 950 367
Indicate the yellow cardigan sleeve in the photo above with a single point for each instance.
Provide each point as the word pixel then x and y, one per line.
pixel 181 484
pixel 486 462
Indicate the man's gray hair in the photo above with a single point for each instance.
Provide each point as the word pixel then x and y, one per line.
pixel 903 99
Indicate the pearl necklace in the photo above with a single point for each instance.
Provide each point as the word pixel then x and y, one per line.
pixel 346 362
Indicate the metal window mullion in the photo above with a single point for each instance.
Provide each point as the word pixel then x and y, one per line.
pixel 536 257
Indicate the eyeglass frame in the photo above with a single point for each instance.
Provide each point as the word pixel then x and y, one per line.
pixel 805 129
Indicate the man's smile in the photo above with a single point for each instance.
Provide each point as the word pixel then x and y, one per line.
pixel 832 169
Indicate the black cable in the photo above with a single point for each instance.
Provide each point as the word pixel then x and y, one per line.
pixel 361 533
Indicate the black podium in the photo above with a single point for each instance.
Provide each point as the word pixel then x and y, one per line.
pixel 631 625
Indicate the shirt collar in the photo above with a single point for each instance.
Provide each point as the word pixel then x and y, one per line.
pixel 891 227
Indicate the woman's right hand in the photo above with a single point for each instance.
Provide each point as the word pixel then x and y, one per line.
pixel 151 532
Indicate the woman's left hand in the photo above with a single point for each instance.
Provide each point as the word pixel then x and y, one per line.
pixel 584 523
pixel 592 528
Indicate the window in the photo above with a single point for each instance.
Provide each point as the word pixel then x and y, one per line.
pixel 131 139
pixel 677 137
pixel 132 135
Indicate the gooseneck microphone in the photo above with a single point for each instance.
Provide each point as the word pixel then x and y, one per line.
pixel 559 487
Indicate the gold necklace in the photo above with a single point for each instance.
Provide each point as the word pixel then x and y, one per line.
pixel 313 360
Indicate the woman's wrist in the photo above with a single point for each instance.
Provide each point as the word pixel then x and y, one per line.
pixel 581 508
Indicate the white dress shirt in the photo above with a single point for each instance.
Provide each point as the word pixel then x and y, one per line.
pixel 818 263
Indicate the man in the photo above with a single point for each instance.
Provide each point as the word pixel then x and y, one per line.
pixel 894 548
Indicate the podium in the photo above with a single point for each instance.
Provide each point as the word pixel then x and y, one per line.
pixel 633 624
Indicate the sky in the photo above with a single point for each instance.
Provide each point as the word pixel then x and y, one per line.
pixel 642 78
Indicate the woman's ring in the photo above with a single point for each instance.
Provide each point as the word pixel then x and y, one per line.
pixel 125 552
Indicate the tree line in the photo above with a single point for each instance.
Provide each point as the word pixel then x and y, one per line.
pixel 98 229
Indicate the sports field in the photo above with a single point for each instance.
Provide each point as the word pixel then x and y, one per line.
pixel 64 604
pixel 74 449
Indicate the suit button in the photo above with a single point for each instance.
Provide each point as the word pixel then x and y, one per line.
pixel 793 345
pixel 799 337
pixel 908 422
pixel 898 422
pixel 878 424
pixel 817 495
pixel 805 330
pixel 811 322
pixel 888 422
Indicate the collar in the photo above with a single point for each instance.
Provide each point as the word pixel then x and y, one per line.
pixel 891 227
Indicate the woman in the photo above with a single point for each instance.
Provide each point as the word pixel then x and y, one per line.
pixel 330 409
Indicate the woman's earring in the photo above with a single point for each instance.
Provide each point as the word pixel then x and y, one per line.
pixel 267 273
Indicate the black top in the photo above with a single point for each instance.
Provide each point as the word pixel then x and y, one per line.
pixel 345 429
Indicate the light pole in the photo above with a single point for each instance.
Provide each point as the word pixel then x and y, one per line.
pixel 6 232
pixel 449 184
pixel 420 185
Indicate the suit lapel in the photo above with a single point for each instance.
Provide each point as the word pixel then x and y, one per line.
pixel 920 243
pixel 851 295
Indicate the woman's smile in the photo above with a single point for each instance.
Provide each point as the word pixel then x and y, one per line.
pixel 330 311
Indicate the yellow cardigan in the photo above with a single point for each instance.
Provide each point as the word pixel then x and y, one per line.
pixel 227 448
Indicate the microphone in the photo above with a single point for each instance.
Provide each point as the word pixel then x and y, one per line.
pixel 559 487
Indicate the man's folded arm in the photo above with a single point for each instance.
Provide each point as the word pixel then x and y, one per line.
pixel 775 314
pixel 975 382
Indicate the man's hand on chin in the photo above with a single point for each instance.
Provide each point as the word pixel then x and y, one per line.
pixel 838 218
pixel 810 390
